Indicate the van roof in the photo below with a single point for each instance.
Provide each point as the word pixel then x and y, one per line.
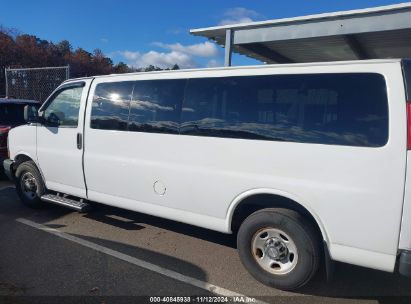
pixel 327 63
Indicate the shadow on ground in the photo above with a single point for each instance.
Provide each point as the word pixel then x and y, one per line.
pixel 135 220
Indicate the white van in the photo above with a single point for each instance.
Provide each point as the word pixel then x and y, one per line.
pixel 303 162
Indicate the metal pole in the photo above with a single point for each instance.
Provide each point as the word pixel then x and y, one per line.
pixel 7 86
pixel 68 72
pixel 228 46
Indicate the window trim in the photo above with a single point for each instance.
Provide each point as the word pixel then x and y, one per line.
pixel 52 97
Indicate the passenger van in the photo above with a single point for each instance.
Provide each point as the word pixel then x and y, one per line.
pixel 303 162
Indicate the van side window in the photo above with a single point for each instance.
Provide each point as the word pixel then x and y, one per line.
pixel 63 110
pixel 406 65
pixel 156 106
pixel 111 105
pixel 342 109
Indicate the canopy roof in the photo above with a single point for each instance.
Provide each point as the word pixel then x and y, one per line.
pixel 374 33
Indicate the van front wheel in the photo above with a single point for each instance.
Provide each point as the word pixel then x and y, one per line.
pixel 29 184
pixel 279 248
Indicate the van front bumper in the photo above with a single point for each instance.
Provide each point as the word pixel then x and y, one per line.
pixel 8 168
pixel 405 263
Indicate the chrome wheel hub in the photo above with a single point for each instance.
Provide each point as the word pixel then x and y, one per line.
pixel 274 251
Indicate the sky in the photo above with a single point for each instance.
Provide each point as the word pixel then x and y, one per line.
pixel 155 32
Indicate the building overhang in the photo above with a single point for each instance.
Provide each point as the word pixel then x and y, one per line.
pixel 374 33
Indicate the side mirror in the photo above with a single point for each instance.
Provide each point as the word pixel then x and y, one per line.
pixel 30 114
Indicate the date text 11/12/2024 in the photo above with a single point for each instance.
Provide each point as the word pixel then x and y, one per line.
pixel 203 299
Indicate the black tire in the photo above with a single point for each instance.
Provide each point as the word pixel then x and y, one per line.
pixel 301 232
pixel 3 175
pixel 24 170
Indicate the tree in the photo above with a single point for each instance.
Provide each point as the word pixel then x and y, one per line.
pixel 151 68
pixel 121 68
pixel 8 53
pixel 101 64
pixel 64 48
pixel 80 63
pixel 7 50
pixel 28 51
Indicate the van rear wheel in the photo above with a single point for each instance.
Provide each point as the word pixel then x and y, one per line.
pixel 29 184
pixel 279 248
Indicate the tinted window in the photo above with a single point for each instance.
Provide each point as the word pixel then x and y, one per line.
pixel 341 109
pixel 13 114
pixel 111 105
pixel 407 75
pixel 156 106
pixel 64 109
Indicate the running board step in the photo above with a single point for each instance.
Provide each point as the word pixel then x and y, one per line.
pixel 80 205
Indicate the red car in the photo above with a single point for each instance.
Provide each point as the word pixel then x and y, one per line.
pixel 12 115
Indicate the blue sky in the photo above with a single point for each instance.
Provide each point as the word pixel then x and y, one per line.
pixel 157 31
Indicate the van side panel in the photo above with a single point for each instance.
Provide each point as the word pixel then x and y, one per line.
pixel 355 192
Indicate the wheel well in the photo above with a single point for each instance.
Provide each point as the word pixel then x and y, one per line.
pixel 20 159
pixel 257 202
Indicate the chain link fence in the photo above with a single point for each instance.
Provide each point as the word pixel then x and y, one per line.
pixel 34 83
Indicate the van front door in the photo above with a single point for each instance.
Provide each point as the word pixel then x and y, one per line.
pixel 60 139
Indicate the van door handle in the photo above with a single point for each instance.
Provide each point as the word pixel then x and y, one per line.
pixel 79 141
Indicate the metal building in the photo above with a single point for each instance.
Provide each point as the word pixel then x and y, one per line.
pixel 380 32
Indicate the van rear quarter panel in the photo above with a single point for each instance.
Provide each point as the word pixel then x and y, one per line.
pixel 405 235
pixel 355 193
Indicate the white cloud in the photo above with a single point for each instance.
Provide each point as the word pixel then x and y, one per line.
pixel 165 60
pixel 236 21
pixel 129 55
pixel 213 63
pixel 239 15
pixel 206 49
pixel 104 40
pixel 176 53
pixel 159 59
